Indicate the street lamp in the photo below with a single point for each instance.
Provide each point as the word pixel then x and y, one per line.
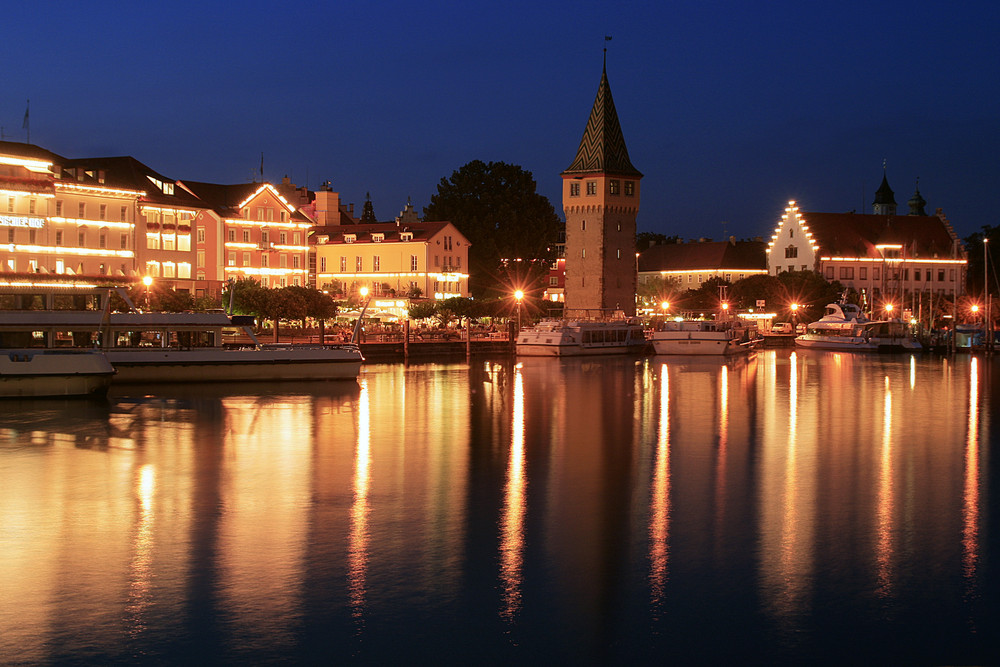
pixel 665 306
pixel 519 294
pixel 888 309
pixel 147 281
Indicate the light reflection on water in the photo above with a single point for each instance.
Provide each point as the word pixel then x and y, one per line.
pixel 785 507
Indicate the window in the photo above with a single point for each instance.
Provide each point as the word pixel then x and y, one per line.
pixel 863 273
pixel 246 259
pixel 629 188
pixel 104 211
pixel 284 216
pixel 343 265
pixel 553 281
pixel 348 238
pixel 33 236
pixel 916 275
pixel 295 261
pixel 168 241
pixel 246 236
pixel 263 238
pixel 614 186
pixel 231 259
pixel 284 261
pixel 59 237
pixel 282 238
pixel 232 236
pixel 829 273
pixel 82 210
pixel 875 273
pixel 574 189
pixel 791 251
pixel 201 259
pixel 378 238
pixel 357 264
pixel 406 236
pixel 102 241
pixel 847 273
pixel 81 237
pixel 583 225
pixel 31 206
pixel 413 262
pixel 591 188
pixel 376 263
pixel 184 270
pixel 10 235
pixel 201 235
pixel 58 208
pixel 10 204
pixel 123 216
pixel 322 264
pixel 263 260
pixel 296 238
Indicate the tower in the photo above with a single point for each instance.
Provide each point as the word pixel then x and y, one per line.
pixel 600 197
pixel 885 202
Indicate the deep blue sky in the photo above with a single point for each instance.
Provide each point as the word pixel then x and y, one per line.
pixel 729 108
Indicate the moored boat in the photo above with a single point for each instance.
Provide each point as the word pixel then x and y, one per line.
pixel 703 338
pixel 40 373
pixel 563 338
pixel 845 327
pixel 170 347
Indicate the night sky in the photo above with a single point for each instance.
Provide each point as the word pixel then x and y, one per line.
pixel 730 109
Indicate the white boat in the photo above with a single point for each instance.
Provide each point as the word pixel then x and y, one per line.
pixel 844 327
pixel 40 373
pixel 564 338
pixel 172 347
pixel 703 338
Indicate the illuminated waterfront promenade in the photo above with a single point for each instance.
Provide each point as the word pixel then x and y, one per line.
pixel 790 507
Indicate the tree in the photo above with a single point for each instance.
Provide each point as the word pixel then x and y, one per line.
pixel 497 208
pixel 644 240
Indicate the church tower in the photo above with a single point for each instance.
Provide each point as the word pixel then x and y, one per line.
pixel 600 197
pixel 885 201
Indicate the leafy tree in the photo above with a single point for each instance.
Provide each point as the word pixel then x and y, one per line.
pixel 496 206
pixel 421 310
pixel 644 240
pixel 658 289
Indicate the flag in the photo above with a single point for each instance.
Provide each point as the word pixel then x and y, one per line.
pixel 607 38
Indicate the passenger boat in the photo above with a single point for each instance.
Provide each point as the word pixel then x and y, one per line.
pixel 845 327
pixel 704 337
pixel 40 373
pixel 564 338
pixel 168 347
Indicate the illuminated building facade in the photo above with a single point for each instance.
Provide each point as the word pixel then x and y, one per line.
pixel 249 230
pixel 393 259
pixel 600 197
pixel 882 256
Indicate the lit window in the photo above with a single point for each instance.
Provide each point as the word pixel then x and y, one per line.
pixel 343 265
pixel 231 260
pixel 246 259
pixel 591 188
pixel 629 188
pixel 574 189
pixel 614 186
pixel 413 262
pixel 246 236
pixel 376 263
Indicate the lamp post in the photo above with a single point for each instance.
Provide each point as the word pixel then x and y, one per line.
pixel 355 338
pixel 795 312
pixel 147 281
pixel 665 306
pixel 518 295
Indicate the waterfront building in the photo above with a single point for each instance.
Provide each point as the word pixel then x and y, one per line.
pixel 249 230
pixel 393 259
pixel 600 198
pixel 691 264
pixel 883 256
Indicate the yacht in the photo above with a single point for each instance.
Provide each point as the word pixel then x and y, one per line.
pixel 845 327
pixel 564 338
pixel 164 347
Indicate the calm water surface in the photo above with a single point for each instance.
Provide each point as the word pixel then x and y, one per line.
pixel 789 508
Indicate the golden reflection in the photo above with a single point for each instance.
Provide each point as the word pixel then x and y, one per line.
pixel 970 495
pixel 885 502
pixel 357 550
pixel 512 524
pixel 659 525
pixel 720 466
pixel 140 565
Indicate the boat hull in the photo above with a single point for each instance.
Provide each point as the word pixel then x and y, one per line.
pixel 698 346
pixel 221 365
pixel 554 338
pixel 32 373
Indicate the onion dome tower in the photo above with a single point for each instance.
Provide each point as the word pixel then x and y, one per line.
pixel 600 199
pixel 917 203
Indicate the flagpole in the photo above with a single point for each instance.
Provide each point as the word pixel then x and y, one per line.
pixel 27 125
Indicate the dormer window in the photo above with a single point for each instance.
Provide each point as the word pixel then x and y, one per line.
pixel 406 236
pixel 378 238
pixel 350 238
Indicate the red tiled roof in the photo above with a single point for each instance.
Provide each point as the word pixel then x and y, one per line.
pixel 363 233
pixel 854 235
pixel 704 256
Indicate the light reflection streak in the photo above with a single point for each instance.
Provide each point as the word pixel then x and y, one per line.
pixel 970 495
pixel 512 524
pixel 659 525
pixel 791 539
pixel 885 503
pixel 357 552
pixel 140 567
pixel 720 466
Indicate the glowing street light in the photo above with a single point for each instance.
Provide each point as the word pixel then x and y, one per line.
pixel 665 306
pixel 147 281
pixel 888 309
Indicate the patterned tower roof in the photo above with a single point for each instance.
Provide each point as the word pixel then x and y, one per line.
pixel 602 149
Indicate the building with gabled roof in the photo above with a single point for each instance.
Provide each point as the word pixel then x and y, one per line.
pixel 600 198
pixel 883 256
pixel 393 258
pixel 695 262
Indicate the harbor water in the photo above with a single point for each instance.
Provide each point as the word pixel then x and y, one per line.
pixel 791 507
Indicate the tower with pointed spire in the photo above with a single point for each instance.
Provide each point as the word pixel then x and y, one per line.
pixel 885 201
pixel 600 198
